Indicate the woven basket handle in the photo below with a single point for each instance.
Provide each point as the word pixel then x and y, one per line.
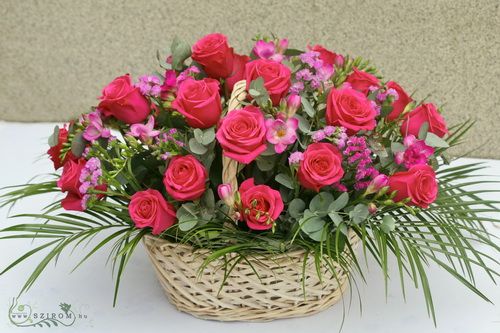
pixel 230 166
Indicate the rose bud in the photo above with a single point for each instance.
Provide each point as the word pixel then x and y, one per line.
pixel 225 192
pixel 377 183
pixel 372 208
pixel 292 104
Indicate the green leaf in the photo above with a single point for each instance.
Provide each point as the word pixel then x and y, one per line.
pixel 385 110
pixel 339 203
pixel 388 224
pixel 304 125
pixel 198 135
pixel 397 147
pixel 197 148
pixel 54 138
pixel 308 107
pixel 208 199
pixel 266 163
pixel 205 137
pixel 187 216
pixel 296 207
pixel 180 52
pixel 78 145
pixel 312 225
pixel 320 203
pixel 269 150
pixel 258 91
pixel 359 213
pixel 292 52
pixel 435 141
pixel 422 132
pixel 284 180
pixel 336 218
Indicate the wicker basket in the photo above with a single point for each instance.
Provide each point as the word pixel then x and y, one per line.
pixel 283 288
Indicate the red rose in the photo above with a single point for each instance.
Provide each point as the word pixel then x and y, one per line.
pixel 418 183
pixel 321 166
pixel 351 109
pixel 425 113
pixel 185 178
pixel 55 151
pixel 214 54
pixel 70 183
pixel 328 57
pixel 122 100
pixel 399 105
pixel 242 134
pixel 260 205
pixel 362 81
pixel 275 75
pixel 238 72
pixel 150 209
pixel 199 102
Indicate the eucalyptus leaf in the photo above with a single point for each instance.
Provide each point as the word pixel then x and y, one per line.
pixel 388 224
pixel 180 52
pixel 187 216
pixel 269 150
pixel 208 136
pixel 320 203
pixel 308 107
pixel 339 203
pixel 208 199
pixel 198 135
pixel 422 132
pixel 304 125
pixel 196 147
pixel 336 218
pixel 265 163
pixel 78 144
pixel 258 91
pixel 435 141
pixel 359 213
pixel 54 138
pixel 296 207
pixel 397 147
pixel 284 180
pixel 312 224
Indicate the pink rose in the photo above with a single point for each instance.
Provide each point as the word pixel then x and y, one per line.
pixel 124 101
pixel 425 113
pixel 214 54
pixel 418 183
pixel 399 105
pixel 328 57
pixel 275 75
pixel 238 72
pixel 362 81
pixel 321 166
pixel 185 178
pixel 242 134
pixel 199 102
pixel 351 109
pixel 150 209
pixel 260 205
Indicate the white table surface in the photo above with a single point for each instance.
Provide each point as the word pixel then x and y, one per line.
pixel 142 306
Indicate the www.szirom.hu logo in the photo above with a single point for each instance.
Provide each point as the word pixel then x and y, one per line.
pixel 23 315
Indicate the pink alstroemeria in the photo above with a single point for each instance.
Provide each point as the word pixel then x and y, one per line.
pixel 417 152
pixel 269 50
pixel 144 131
pixel 281 132
pixel 95 129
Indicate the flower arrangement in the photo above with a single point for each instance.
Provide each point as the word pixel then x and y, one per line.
pixel 261 155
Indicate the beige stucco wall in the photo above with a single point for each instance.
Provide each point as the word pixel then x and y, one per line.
pixel 55 56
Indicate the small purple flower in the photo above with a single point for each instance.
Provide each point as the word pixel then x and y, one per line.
pixel 329 130
pixel 95 128
pixel 297 88
pixel 317 136
pixel 311 58
pixel 165 156
pixel 89 177
pixel 187 73
pixel 144 131
pixel 281 132
pixel 295 157
pixel 149 85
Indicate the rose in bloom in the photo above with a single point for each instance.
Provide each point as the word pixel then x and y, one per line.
pixel 275 75
pixel 321 166
pixel 150 209
pixel 418 183
pixel 399 105
pixel 362 81
pixel 55 151
pixel 425 113
pixel 238 72
pixel 327 56
pixel 350 109
pixel 123 101
pixel 242 134
pixel 70 183
pixel 260 205
pixel 185 178
pixel 213 53
pixel 199 102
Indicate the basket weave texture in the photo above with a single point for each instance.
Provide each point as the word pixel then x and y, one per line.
pixel 284 287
